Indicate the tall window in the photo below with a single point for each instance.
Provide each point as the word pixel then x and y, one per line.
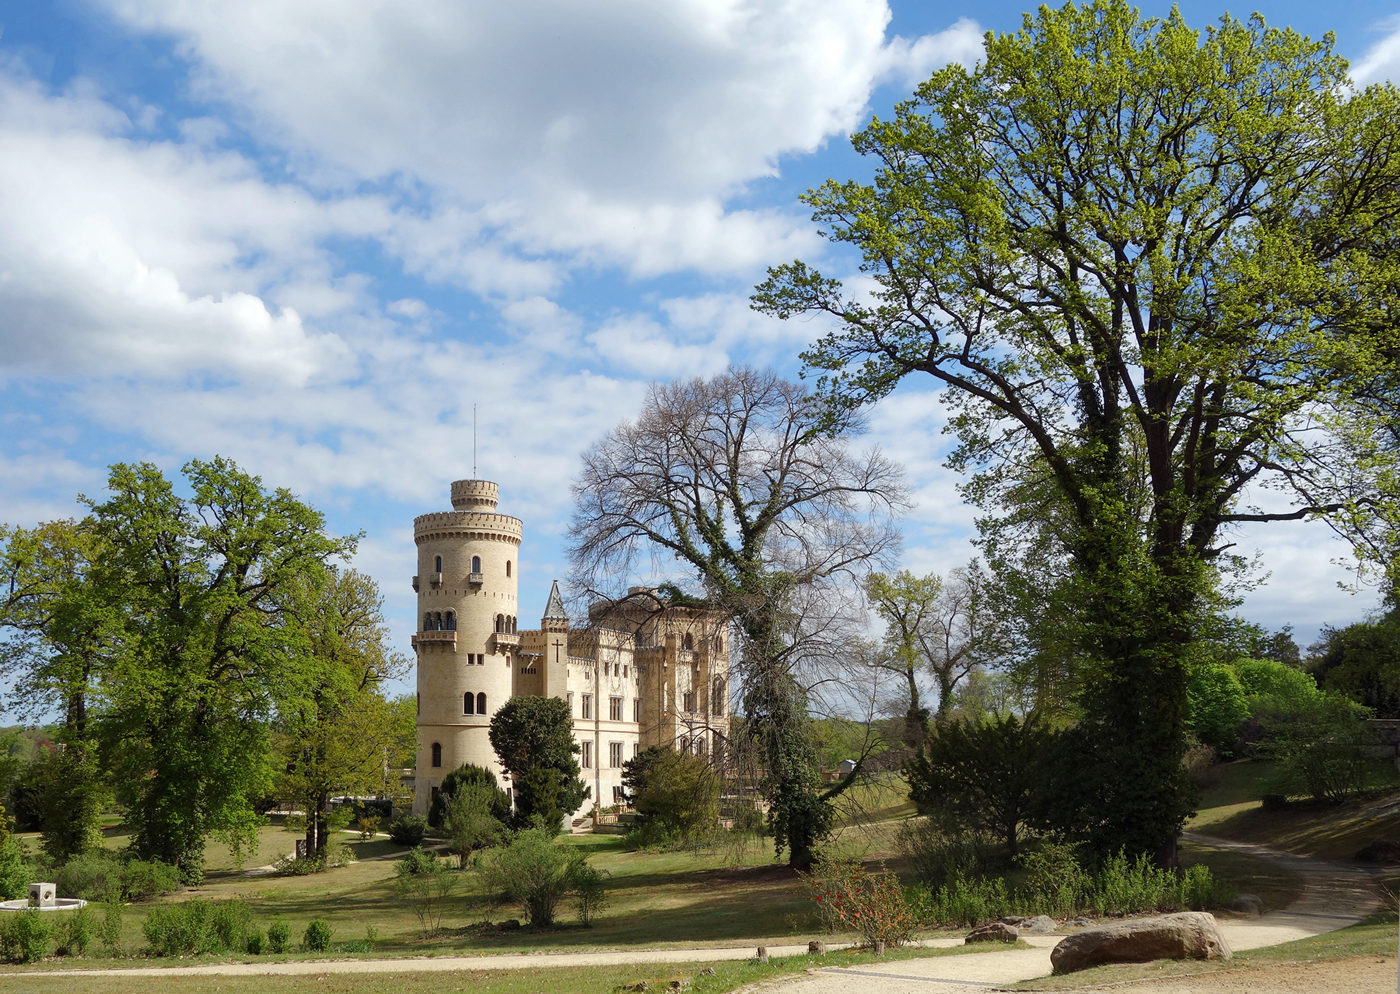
pixel 614 755
pixel 699 746
pixel 570 696
pixel 636 709
pixel 437 754
pixel 717 697
pixel 588 705
pixel 636 749
pixel 437 565
pixel 614 708
pixel 688 701
pixel 507 567
pixel 586 758
pixel 688 643
pixel 476 564
pixel 500 622
pixel 481 703
pixel 469 703
pixel 451 621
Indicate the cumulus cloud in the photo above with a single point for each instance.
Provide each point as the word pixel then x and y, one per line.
pixel 614 128
pixel 1382 60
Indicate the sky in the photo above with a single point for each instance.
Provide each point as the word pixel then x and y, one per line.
pixel 315 236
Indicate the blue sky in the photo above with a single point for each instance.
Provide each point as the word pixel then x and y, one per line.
pixel 311 235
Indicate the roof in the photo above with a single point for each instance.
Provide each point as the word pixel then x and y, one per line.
pixel 554 610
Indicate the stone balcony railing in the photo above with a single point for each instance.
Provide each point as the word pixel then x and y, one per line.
pixel 438 638
pixel 504 639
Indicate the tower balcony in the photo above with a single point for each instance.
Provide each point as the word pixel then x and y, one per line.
pixel 476 579
pixel 506 640
pixel 436 638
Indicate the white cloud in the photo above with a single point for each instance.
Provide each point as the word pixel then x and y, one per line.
pixel 613 129
pixel 1382 60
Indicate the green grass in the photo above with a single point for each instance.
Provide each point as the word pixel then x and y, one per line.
pixel 727 976
pixel 1375 937
pixel 1274 886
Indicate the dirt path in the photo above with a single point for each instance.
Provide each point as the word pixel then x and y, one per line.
pixel 1334 895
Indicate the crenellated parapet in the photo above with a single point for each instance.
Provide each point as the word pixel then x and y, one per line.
pixel 471 525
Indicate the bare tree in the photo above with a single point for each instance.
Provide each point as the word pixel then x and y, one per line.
pixel 728 488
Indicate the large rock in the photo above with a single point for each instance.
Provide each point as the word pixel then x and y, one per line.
pixel 1380 851
pixel 1189 935
pixel 1042 924
pixel 995 932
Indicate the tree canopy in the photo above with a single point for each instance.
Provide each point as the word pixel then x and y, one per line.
pixel 1150 266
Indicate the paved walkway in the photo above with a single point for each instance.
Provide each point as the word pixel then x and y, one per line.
pixel 1333 896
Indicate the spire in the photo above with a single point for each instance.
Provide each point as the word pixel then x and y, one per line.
pixel 554 610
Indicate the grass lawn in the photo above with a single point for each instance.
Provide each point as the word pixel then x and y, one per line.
pixel 1376 937
pixel 1274 886
pixel 726 976
pixel 1231 809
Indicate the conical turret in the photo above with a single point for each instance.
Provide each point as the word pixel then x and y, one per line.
pixel 554 616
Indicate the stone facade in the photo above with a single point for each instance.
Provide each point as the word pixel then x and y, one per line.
pixel 641 673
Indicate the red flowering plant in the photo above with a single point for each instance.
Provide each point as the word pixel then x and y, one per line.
pixel 851 898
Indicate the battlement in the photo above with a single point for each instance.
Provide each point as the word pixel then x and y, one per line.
pixel 468 524
pixel 472 495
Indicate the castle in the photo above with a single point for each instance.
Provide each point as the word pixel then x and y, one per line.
pixel 642 673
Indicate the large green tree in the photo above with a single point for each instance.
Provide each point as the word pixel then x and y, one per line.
pixel 534 740
pixel 206 588
pixel 1117 241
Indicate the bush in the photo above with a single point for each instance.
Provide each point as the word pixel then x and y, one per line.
pixel 535 871
pixel 279 933
pixel 142 880
pixel 676 797
pixel 365 945
pixel 93 876
pixel 852 899
pixel 110 931
pixel 79 928
pixel 938 854
pixel 231 922
pixel 468 775
pixel 25 935
pixel 592 892
pixel 1321 745
pixel 180 929
pixel 1216 707
pixel 368 824
pixel 15 875
pixel 409 830
pixel 254 944
pixel 317 937
pixel 423 884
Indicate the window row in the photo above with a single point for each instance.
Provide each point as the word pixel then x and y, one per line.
pixel 476 659
pixel 688 643
pixel 615 750
pixel 473 703
pixel 439 621
pixel 476 565
pixel 505 624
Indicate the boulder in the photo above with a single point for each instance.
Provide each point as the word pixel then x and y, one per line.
pixel 1247 904
pixel 1040 924
pixel 995 932
pixel 1380 851
pixel 1013 919
pixel 1188 935
pixel 1080 922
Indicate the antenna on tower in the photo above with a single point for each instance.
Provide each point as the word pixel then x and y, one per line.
pixel 473 441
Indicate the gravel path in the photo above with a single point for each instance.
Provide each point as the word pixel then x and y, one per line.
pixel 1334 895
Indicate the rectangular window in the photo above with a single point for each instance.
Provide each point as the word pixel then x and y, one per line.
pixel 619 796
pixel 570 696
pixel 614 708
pixel 586 759
pixel 588 705
pixel 689 700
pixel 636 709
pixel 636 749
pixel 624 672
pixel 615 755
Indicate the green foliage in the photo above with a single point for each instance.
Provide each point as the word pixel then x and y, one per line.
pixel 536 733
pixel 1321 744
pixel 470 822
pixel 1216 707
pixel 423 884
pixel 1272 685
pixel 143 879
pixel 317 937
pixel 1362 661
pixel 79 929
pixel 231 922
pixel 93 876
pixel 468 774
pixel 14 868
pixel 25 935
pixel 204 591
pixel 74 792
pixel 982 775
pixel 676 797
pixel 255 943
pixel 279 933
pixel 590 886
pixel 850 898
pixel 536 871
pixel 1141 259
pixel 368 825
pixel 110 929
pixel 409 830
pixel 180 929
pixel 938 853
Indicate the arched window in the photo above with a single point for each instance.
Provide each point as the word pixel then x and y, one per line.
pixel 437 621
pixel 507 567
pixel 512 624
pixel 437 755
pixel 476 564
pixel 428 622
pixel 451 621
pixel 685 745
pixel 688 643
pixel 481 703
pixel 699 746
pixel 717 698
pixel 437 565
pixel 719 646
pixel 500 623
pixel 469 703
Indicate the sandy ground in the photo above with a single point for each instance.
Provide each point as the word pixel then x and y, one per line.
pixel 1334 895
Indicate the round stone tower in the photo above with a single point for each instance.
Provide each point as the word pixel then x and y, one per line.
pixel 468 567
